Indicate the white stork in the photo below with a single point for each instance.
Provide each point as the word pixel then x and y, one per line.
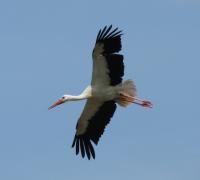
pixel 105 91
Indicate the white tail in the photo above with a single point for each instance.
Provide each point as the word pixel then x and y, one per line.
pixel 127 87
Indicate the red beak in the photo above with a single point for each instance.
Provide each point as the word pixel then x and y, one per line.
pixel 60 101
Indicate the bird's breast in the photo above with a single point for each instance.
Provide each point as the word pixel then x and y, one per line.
pixel 104 93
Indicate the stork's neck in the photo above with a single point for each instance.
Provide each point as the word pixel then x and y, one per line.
pixel 84 95
pixel 76 98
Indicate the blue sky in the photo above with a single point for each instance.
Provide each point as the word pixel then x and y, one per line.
pixel 46 52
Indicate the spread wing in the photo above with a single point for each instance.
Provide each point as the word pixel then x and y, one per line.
pixel 108 67
pixel 91 124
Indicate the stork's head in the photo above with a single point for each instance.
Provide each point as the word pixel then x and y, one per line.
pixel 61 100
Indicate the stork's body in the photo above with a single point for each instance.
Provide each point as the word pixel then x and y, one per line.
pixel 106 89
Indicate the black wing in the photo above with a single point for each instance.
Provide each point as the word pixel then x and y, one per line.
pixel 108 43
pixel 93 127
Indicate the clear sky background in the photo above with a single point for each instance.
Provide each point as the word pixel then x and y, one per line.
pixel 45 52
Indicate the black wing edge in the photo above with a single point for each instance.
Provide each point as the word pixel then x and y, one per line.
pixel 84 144
pixel 110 38
pixel 116 68
pixel 95 129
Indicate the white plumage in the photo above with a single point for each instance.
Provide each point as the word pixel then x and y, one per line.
pixel 105 91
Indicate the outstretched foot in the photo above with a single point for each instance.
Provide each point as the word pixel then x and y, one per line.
pixel 146 103
pixel 128 98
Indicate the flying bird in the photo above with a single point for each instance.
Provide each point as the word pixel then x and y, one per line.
pixel 106 90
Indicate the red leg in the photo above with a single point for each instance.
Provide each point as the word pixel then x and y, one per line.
pixel 128 98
